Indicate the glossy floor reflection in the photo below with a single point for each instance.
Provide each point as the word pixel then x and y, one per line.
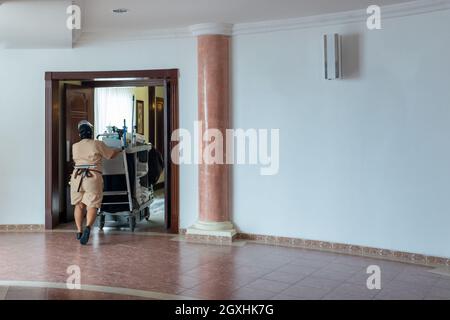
pixel 157 263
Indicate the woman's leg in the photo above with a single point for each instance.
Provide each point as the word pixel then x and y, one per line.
pixel 91 216
pixel 79 216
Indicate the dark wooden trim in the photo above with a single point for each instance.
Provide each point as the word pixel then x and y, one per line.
pixel 52 110
pixel 166 74
pixel 48 154
pixel 129 83
pixel 52 205
pixel 174 174
pixel 167 167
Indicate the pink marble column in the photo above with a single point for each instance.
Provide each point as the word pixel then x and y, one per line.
pixel 214 113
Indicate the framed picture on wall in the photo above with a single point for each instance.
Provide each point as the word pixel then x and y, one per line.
pixel 140 117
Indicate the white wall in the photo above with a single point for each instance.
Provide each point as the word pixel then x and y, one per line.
pixel 22 92
pixel 35 19
pixel 365 160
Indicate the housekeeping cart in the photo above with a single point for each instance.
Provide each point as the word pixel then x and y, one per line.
pixel 127 192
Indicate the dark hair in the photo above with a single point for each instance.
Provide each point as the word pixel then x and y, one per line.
pixel 85 132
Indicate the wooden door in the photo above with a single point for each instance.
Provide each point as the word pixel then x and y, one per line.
pixel 79 105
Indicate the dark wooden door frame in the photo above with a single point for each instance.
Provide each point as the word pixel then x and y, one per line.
pixel 52 128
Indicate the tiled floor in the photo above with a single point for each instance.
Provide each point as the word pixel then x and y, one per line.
pixel 157 263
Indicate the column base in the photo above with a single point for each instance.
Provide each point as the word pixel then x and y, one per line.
pixel 217 232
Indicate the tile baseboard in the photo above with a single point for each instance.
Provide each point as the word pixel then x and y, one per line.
pixel 354 250
pixel 22 227
pixel 209 239
pixel 348 249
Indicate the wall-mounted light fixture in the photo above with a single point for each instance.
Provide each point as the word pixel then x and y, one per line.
pixel 332 56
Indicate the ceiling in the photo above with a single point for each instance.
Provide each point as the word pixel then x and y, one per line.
pixel 163 14
pixel 42 23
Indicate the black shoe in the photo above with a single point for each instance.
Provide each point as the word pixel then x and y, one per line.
pixel 85 236
pixel 79 234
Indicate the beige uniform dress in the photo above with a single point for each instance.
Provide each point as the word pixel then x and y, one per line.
pixel 89 152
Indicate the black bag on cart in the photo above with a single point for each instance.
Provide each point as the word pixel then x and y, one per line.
pixel 155 166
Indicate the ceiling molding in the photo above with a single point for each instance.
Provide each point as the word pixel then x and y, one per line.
pixel 107 36
pixel 174 33
pixel 202 29
pixel 387 12
pixel 355 16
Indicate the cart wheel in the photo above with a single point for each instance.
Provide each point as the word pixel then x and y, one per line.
pixel 101 224
pixel 132 223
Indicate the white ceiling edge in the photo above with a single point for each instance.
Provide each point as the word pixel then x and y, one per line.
pixel 133 35
pixel 202 29
pixel 387 12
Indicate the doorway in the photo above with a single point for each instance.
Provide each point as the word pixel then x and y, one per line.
pixel 70 96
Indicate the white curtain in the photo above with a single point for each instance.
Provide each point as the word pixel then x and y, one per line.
pixel 112 106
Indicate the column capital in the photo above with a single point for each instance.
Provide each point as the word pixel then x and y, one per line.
pixel 225 29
